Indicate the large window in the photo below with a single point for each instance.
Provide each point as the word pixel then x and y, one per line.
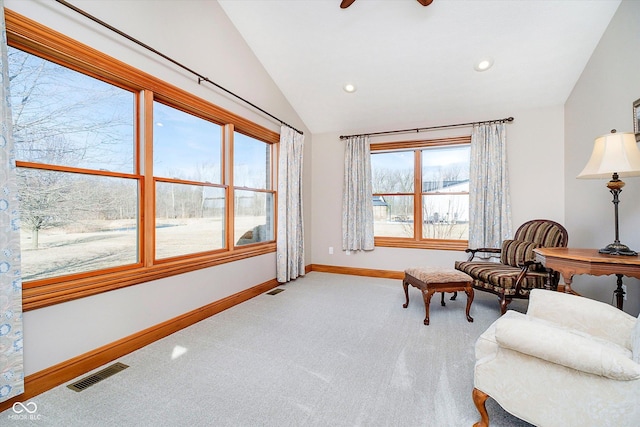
pixel 421 193
pixel 79 187
pixel 124 178
pixel 190 200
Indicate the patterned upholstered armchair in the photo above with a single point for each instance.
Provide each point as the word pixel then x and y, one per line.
pixel 517 272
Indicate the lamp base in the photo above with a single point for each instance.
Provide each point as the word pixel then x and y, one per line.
pixel 617 248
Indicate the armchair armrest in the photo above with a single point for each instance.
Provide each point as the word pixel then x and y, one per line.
pixel 525 267
pixel 583 314
pixel 567 347
pixel 473 252
pixel 528 264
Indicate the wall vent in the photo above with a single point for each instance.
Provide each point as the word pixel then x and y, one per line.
pixel 95 378
pixel 275 291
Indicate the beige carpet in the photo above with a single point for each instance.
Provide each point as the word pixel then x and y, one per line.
pixel 331 350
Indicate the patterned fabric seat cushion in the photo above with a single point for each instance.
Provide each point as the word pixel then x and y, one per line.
pixel 501 278
pixel 437 275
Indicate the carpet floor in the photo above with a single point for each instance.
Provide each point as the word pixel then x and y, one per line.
pixel 330 350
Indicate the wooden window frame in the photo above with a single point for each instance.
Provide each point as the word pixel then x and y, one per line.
pixel 32 37
pixel 273 184
pixel 417 241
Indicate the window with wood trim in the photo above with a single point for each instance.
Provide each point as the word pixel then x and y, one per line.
pixel 77 169
pixel 421 193
pixel 123 177
pixel 190 198
pixel 254 197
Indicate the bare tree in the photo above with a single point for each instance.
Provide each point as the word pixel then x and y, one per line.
pixel 63 118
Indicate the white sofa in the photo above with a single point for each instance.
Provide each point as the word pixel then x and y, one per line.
pixel 570 361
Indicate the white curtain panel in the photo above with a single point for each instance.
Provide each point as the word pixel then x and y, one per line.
pixel 290 238
pixel 357 201
pixel 11 365
pixel 489 200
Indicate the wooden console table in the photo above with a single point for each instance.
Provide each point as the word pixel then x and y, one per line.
pixel 569 262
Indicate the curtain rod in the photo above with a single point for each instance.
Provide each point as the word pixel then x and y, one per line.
pixel 389 132
pixel 201 78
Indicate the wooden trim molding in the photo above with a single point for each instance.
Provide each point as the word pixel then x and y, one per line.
pixel 354 271
pixel 444 245
pixel 55 293
pixel 422 143
pixel 49 378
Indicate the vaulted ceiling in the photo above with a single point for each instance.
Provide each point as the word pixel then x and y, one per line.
pixel 412 65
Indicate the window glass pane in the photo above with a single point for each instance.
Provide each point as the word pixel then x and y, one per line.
pixel 393 216
pixel 392 172
pixel 73 223
pixel 445 217
pixel 445 169
pixel 189 219
pixel 253 217
pixel 185 146
pixel 251 162
pixel 66 118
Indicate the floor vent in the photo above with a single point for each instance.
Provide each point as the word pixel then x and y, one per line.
pixel 275 291
pixel 97 377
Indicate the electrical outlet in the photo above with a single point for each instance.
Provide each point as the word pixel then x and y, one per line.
pixel 624 290
pixel 330 250
pixel 347 252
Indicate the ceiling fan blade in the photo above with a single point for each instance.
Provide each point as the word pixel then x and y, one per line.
pixel 425 2
pixel 346 3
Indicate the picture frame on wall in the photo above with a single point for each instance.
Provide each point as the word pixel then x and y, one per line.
pixel 636 119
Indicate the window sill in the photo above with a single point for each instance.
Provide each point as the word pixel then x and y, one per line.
pixel 437 244
pixel 38 296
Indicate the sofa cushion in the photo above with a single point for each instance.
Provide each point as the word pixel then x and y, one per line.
pixel 564 347
pixel 516 252
pixel 584 314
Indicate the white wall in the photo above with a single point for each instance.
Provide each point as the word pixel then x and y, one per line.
pixel 536 160
pixel 600 101
pixel 547 147
pixel 199 35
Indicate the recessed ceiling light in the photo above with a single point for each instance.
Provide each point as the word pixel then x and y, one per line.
pixel 484 64
pixel 349 88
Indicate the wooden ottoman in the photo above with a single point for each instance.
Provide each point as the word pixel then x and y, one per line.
pixel 433 279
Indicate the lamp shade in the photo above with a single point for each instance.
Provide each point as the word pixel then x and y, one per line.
pixel 615 152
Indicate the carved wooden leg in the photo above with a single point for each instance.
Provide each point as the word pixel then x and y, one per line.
pixel 453 297
pixel 567 278
pixel 479 399
pixel 469 291
pixel 405 285
pixel 427 294
pixel 504 301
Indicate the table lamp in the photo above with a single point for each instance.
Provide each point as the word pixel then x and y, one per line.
pixel 614 155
